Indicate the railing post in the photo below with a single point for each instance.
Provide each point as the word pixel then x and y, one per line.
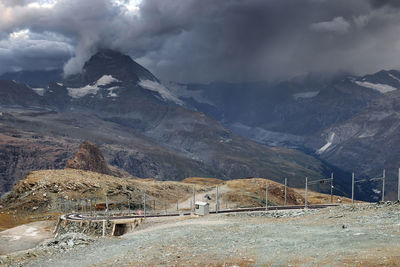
pixel 352 188
pixel 306 197
pixel 285 192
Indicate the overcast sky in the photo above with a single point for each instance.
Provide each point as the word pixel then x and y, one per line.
pixel 205 40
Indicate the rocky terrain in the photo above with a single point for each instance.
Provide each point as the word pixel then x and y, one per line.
pixel 360 235
pixel 89 158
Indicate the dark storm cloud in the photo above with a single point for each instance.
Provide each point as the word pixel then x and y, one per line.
pixel 205 40
pixel 381 3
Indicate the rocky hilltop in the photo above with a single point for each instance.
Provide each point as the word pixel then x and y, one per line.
pixel 89 158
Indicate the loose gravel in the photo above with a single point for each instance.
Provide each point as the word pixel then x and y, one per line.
pixel 361 235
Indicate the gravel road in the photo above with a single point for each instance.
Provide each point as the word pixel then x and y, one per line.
pixel 364 235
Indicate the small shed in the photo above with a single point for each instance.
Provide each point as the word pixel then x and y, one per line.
pixel 202 208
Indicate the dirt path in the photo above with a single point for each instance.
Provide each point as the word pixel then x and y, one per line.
pixel 25 236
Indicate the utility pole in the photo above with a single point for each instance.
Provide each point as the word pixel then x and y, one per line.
pixel 352 188
pixel 305 201
pixel 383 185
pixel 216 200
pixel 266 195
pixel 285 191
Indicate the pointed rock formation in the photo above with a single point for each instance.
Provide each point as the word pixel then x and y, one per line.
pixel 89 158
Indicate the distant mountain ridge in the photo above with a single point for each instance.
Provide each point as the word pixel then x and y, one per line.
pixel 140 125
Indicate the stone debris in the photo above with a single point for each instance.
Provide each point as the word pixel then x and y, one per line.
pixel 68 241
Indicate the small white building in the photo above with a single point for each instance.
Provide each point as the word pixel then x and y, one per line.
pixel 202 208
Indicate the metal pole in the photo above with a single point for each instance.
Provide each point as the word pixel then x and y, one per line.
pixel 194 197
pixel 144 205
pixel 266 195
pixel 106 205
pixel 306 199
pixel 104 228
pixel 332 187
pixel 129 205
pixel 383 185
pixel 216 200
pixel 398 188
pixel 352 188
pixel 285 191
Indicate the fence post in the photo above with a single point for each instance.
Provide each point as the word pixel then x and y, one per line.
pixel 144 205
pixel 106 205
pixel 177 203
pixel 306 197
pixel 104 228
pixel 285 191
pixel 129 205
pixel 332 187
pixel 216 200
pixel 398 188
pixel 194 197
pixel 383 185
pixel 352 188
pixel 266 195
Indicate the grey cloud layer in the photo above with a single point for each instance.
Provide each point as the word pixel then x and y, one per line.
pixel 205 40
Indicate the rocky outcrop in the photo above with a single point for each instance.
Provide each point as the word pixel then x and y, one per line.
pixel 89 158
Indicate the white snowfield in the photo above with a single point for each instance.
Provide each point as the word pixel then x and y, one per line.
pixel 161 90
pixel 382 88
pixel 39 91
pixel 309 94
pixel 94 87
pixel 327 145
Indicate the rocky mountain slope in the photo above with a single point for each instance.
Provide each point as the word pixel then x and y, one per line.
pixel 89 158
pixel 140 127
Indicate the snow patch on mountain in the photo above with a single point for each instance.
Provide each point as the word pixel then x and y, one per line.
pixel 161 90
pixel 327 145
pixel 309 94
pixel 92 88
pixel 382 88
pixel 394 77
pixel 39 91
